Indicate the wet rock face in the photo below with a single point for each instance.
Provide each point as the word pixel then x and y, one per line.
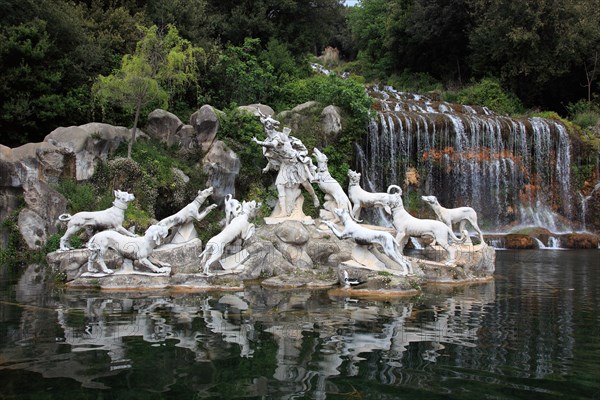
pixel 579 241
pixel 519 241
pixel 592 216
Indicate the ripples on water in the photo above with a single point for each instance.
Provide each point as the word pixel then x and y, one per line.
pixel 533 333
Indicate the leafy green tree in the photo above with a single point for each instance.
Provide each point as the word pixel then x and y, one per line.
pixel 50 51
pixel 160 68
pixel 240 76
pixel 417 35
pixel 532 44
pixel 306 26
pixel 368 22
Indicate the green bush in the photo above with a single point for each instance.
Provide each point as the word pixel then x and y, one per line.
pixel 237 128
pixel 80 197
pixel 417 82
pixel 489 93
pixel 584 114
pixel 347 94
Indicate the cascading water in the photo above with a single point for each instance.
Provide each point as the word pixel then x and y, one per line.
pixel 512 171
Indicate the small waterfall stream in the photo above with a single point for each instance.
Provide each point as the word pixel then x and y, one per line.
pixel 512 171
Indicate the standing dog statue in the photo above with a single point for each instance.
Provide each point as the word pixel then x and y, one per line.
pixel 111 218
pixel 132 248
pixel 240 226
pixel 365 236
pixel 451 216
pixel 406 225
pixel 360 198
pixel 335 197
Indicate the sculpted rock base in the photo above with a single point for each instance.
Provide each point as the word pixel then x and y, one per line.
pixel 290 255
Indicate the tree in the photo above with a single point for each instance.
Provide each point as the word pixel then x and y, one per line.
pixel 160 68
pixel 531 45
pixel 306 26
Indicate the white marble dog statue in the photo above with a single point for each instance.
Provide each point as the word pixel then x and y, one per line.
pixel 335 197
pixel 184 218
pixel 233 208
pixel 360 198
pixel 366 236
pixel 132 248
pixel 111 218
pixel 406 225
pixel 451 216
pixel 240 226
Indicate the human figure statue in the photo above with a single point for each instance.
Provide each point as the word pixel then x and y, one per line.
pixel 289 156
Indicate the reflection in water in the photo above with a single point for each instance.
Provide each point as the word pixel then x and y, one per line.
pixel 530 331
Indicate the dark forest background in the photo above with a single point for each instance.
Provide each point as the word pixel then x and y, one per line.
pixel 543 54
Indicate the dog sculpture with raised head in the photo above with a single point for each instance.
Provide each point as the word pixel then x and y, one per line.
pixel 239 226
pixel 111 218
pixel 133 248
pixel 191 211
pixel 406 225
pixel 366 236
pixel 335 197
pixel 450 216
pixel 233 208
pixel 360 198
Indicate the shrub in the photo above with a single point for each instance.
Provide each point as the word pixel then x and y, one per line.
pixel 417 82
pixel 237 128
pixel 80 197
pixel 347 94
pixel 488 93
pixel 584 114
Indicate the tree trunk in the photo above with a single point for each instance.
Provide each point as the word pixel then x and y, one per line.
pixel 138 107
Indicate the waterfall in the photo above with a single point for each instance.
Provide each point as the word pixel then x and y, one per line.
pixel 512 171
pixel 553 243
pixel 584 200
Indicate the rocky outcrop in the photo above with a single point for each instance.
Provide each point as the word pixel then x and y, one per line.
pixel 331 124
pixel 38 220
pixel 258 109
pixel 163 126
pixel 89 143
pixel 205 123
pixel 579 241
pixel 222 167
pixel 519 241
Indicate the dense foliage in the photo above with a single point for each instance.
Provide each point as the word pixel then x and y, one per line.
pixel 546 52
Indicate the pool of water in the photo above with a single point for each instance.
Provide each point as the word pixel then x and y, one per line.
pixel 534 332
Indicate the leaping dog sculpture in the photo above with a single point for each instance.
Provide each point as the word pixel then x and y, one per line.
pixel 335 197
pixel 240 226
pixel 366 236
